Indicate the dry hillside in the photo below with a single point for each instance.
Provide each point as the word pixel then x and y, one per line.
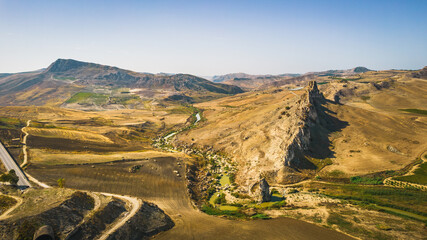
pixel 288 136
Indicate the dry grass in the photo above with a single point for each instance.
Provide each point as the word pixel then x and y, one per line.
pixel 39 200
pixel 68 134
pixel 52 157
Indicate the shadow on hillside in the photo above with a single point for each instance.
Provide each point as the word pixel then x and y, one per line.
pixel 320 144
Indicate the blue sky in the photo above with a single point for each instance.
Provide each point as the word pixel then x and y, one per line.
pixel 215 37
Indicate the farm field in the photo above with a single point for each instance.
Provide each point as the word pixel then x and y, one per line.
pixel 156 182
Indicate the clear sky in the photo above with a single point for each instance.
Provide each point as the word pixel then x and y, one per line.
pixel 215 37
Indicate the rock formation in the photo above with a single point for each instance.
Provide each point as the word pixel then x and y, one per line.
pixel 264 188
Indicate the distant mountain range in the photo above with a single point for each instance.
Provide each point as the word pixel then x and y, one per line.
pixel 65 77
pixel 245 76
pixel 248 81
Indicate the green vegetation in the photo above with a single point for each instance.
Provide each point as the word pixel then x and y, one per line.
pixel 6 203
pixel 220 199
pixel 322 83
pixel 208 209
pixel 419 176
pixel 10 177
pixel 228 208
pixel 414 110
pixel 260 216
pixel 84 96
pixel 409 200
pixel 11 123
pixel 401 213
pixel 366 180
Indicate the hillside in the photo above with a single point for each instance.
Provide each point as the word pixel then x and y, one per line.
pixel 349 132
pixel 65 77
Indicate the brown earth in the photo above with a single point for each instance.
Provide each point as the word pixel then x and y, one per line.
pixel 157 183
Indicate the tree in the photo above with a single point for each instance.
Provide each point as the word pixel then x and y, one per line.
pixel 61 182
pixel 10 177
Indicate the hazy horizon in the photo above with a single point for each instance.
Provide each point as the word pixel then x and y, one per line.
pixel 205 38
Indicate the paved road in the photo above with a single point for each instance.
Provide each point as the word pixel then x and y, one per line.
pixel 9 163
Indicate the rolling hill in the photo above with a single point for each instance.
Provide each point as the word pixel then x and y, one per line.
pixel 66 77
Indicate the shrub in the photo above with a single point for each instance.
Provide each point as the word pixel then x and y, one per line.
pixel 61 182
pixel 260 216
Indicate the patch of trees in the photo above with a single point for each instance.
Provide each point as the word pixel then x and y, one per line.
pixel 10 177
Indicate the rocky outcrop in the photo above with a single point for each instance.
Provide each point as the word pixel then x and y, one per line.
pixel 264 190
